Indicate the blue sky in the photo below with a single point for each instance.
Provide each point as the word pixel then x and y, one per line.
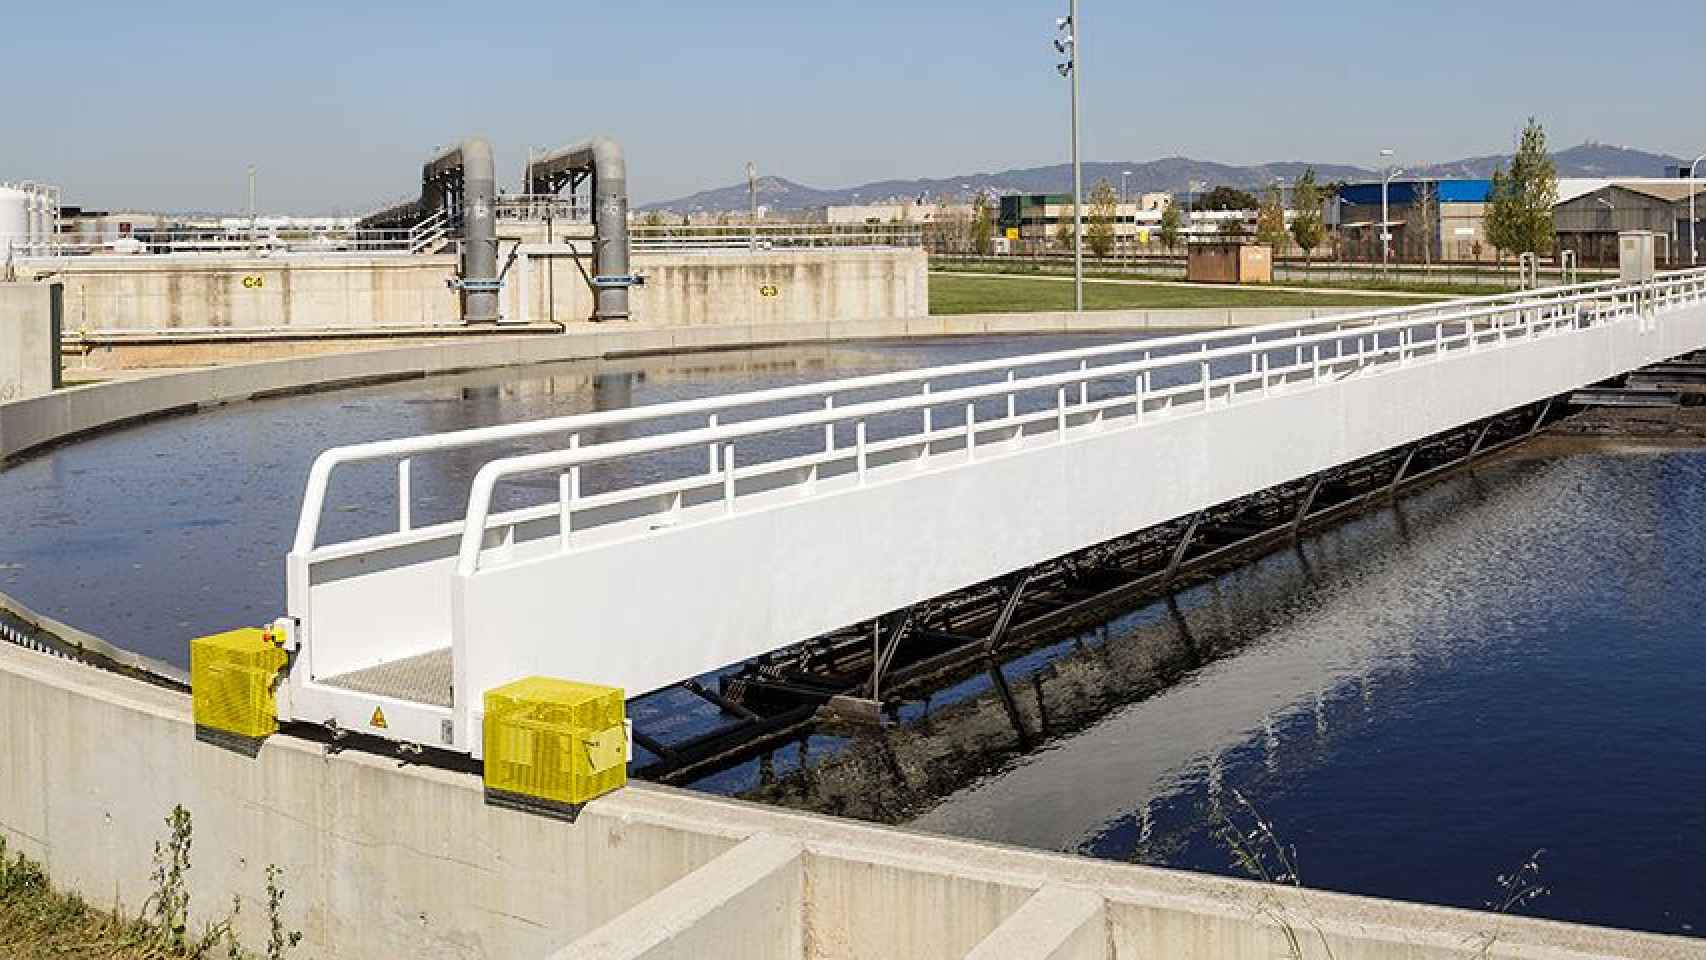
pixel 163 104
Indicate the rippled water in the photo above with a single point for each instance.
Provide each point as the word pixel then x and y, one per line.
pixel 1512 661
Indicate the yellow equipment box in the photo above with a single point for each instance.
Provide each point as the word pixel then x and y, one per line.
pixel 232 677
pixel 552 745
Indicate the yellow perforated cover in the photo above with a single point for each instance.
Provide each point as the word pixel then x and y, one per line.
pixel 555 740
pixel 231 682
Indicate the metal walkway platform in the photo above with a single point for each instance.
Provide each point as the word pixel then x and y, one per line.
pixel 421 679
pixel 649 545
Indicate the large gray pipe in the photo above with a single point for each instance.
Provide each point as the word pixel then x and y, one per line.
pixel 469 171
pixel 602 158
pixel 462 180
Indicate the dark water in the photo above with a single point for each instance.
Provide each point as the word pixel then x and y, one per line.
pixel 151 535
pixel 1418 701
pixel 1508 661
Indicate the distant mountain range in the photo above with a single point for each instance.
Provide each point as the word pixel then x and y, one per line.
pixel 1172 175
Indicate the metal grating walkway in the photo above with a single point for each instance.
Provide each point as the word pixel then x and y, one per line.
pixel 422 679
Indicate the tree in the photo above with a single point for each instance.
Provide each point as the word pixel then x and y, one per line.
pixel 1519 205
pixel 982 224
pixel 1065 235
pixel 1104 208
pixel 1172 221
pixel 1270 221
pixel 1423 219
pixel 1308 228
pixel 1226 198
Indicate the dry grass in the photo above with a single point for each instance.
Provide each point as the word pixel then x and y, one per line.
pixel 38 922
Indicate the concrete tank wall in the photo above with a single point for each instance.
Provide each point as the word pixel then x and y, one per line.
pixel 29 340
pixel 382 859
pixel 157 293
pixel 341 293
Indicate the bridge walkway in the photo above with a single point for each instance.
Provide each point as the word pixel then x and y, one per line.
pixel 642 547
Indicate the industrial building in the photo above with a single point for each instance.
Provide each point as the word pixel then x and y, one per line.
pixel 1031 222
pixel 1591 213
pixel 1429 220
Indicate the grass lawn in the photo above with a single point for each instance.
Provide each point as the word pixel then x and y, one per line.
pixel 951 294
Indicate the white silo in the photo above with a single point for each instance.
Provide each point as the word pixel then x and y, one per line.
pixel 14 220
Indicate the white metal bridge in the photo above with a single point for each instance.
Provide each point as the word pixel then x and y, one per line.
pixel 649 545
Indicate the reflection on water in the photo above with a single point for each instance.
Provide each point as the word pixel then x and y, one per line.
pixel 153 534
pixel 1510 661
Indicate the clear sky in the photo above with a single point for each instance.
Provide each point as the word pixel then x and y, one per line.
pixel 163 104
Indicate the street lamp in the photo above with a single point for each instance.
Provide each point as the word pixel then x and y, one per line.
pixel 752 204
pixel 251 209
pixel 1066 44
pixel 1123 175
pixel 1392 172
pixel 1693 222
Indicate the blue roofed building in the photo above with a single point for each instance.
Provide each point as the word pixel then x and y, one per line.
pixel 1430 221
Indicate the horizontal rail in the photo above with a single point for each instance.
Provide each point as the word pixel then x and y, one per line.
pixel 1156 354
pixel 1377 345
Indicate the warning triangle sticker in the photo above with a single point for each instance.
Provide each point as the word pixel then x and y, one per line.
pixel 378 718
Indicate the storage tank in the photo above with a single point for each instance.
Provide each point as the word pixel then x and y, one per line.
pixel 14 219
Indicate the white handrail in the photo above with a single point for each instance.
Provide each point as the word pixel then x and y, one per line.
pixel 1365 322
pixel 1529 313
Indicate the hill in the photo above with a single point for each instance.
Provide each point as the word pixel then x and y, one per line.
pixel 1170 174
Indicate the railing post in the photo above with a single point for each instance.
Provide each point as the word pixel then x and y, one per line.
pixel 711 448
pixel 565 510
pixel 1012 398
pixel 1137 393
pixel 1265 365
pixel 1060 413
pixel 859 439
pixel 971 432
pixel 575 471
pixel 403 524
pixel 829 428
pixel 1084 384
pixel 728 478
pixel 928 426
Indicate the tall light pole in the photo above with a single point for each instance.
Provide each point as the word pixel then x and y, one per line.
pixel 251 209
pixel 1386 211
pixel 752 204
pixel 1693 220
pixel 1121 212
pixel 1067 45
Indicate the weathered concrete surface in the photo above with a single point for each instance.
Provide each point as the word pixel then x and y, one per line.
pixel 29 344
pixel 1057 923
pixel 32 423
pixel 747 903
pixel 714 288
pixel 382 859
pixel 546 284
pixel 300 292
